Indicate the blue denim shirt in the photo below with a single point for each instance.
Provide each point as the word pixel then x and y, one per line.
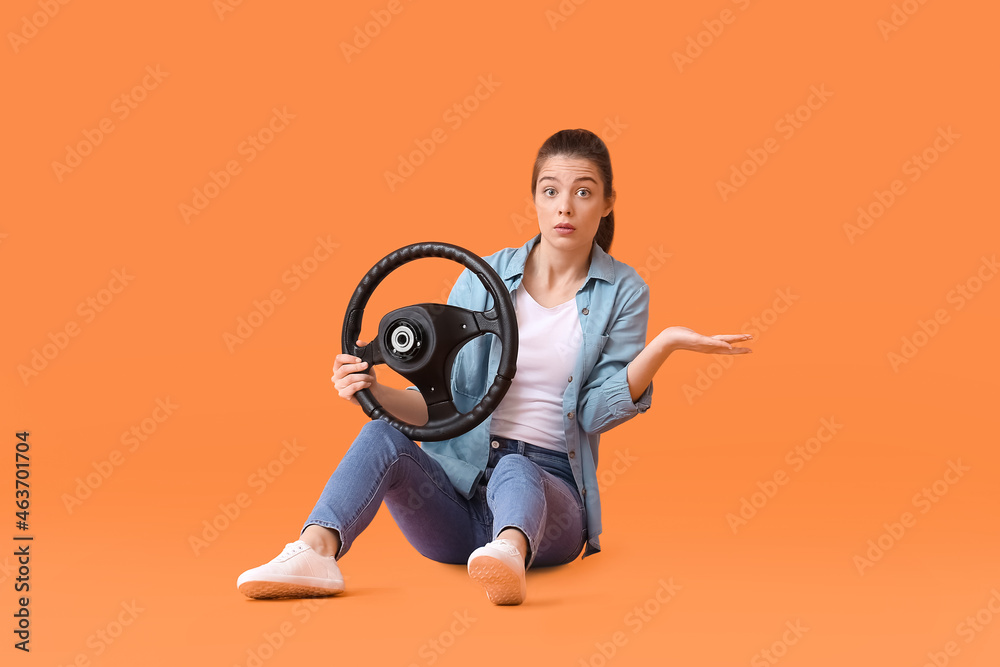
pixel 613 306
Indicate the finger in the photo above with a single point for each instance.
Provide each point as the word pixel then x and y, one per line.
pixel 737 350
pixel 733 338
pixel 344 358
pixel 348 390
pixel 354 368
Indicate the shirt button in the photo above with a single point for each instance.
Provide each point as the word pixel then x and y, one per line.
pixel 586 311
pixel 494 444
pixel 570 379
pixel 570 415
pixel 572 454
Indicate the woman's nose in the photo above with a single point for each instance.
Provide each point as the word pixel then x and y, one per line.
pixel 565 207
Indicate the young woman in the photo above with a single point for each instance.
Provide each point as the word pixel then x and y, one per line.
pixel 519 490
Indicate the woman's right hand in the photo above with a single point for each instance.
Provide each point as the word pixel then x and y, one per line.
pixel 350 374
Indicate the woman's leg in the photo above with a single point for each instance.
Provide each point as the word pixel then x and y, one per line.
pixel 537 519
pixel 380 464
pixel 539 505
pixel 383 464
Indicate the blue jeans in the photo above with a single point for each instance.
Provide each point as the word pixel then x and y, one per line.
pixel 524 486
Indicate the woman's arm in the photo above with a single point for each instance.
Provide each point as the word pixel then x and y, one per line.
pixel 642 369
pixel 407 405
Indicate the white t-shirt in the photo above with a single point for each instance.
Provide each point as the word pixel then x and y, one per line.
pixel 548 345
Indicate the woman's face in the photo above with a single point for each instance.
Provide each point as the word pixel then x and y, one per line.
pixel 570 200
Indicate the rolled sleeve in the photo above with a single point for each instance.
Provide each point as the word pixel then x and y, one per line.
pixel 606 400
pixel 620 396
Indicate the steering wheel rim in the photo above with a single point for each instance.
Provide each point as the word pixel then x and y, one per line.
pixel 400 343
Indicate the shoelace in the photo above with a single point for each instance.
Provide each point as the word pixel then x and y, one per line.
pixel 507 546
pixel 290 549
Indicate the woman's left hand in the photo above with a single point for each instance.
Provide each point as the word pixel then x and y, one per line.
pixel 682 338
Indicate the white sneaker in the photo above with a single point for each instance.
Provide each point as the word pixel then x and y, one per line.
pixel 297 572
pixel 499 568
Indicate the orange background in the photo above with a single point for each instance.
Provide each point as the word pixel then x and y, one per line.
pixel 323 175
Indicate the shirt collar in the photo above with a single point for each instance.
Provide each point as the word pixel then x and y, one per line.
pixel 601 264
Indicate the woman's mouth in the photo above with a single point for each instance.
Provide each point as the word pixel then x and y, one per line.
pixel 565 229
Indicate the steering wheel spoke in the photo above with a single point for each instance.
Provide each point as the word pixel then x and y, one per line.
pixel 434 387
pixel 442 411
pixel 487 321
pixel 372 353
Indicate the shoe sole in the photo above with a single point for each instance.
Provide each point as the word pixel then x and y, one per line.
pixel 295 587
pixel 502 585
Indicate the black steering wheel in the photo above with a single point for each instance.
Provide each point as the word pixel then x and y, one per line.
pixel 420 342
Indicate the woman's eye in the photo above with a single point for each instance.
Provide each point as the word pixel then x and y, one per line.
pixel 547 191
pixel 584 192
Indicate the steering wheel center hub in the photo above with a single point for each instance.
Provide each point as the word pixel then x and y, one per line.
pixel 404 338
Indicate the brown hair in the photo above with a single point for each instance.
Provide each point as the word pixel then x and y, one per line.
pixel 580 143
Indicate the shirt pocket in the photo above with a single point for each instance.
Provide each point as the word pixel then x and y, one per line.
pixel 469 370
pixel 593 345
